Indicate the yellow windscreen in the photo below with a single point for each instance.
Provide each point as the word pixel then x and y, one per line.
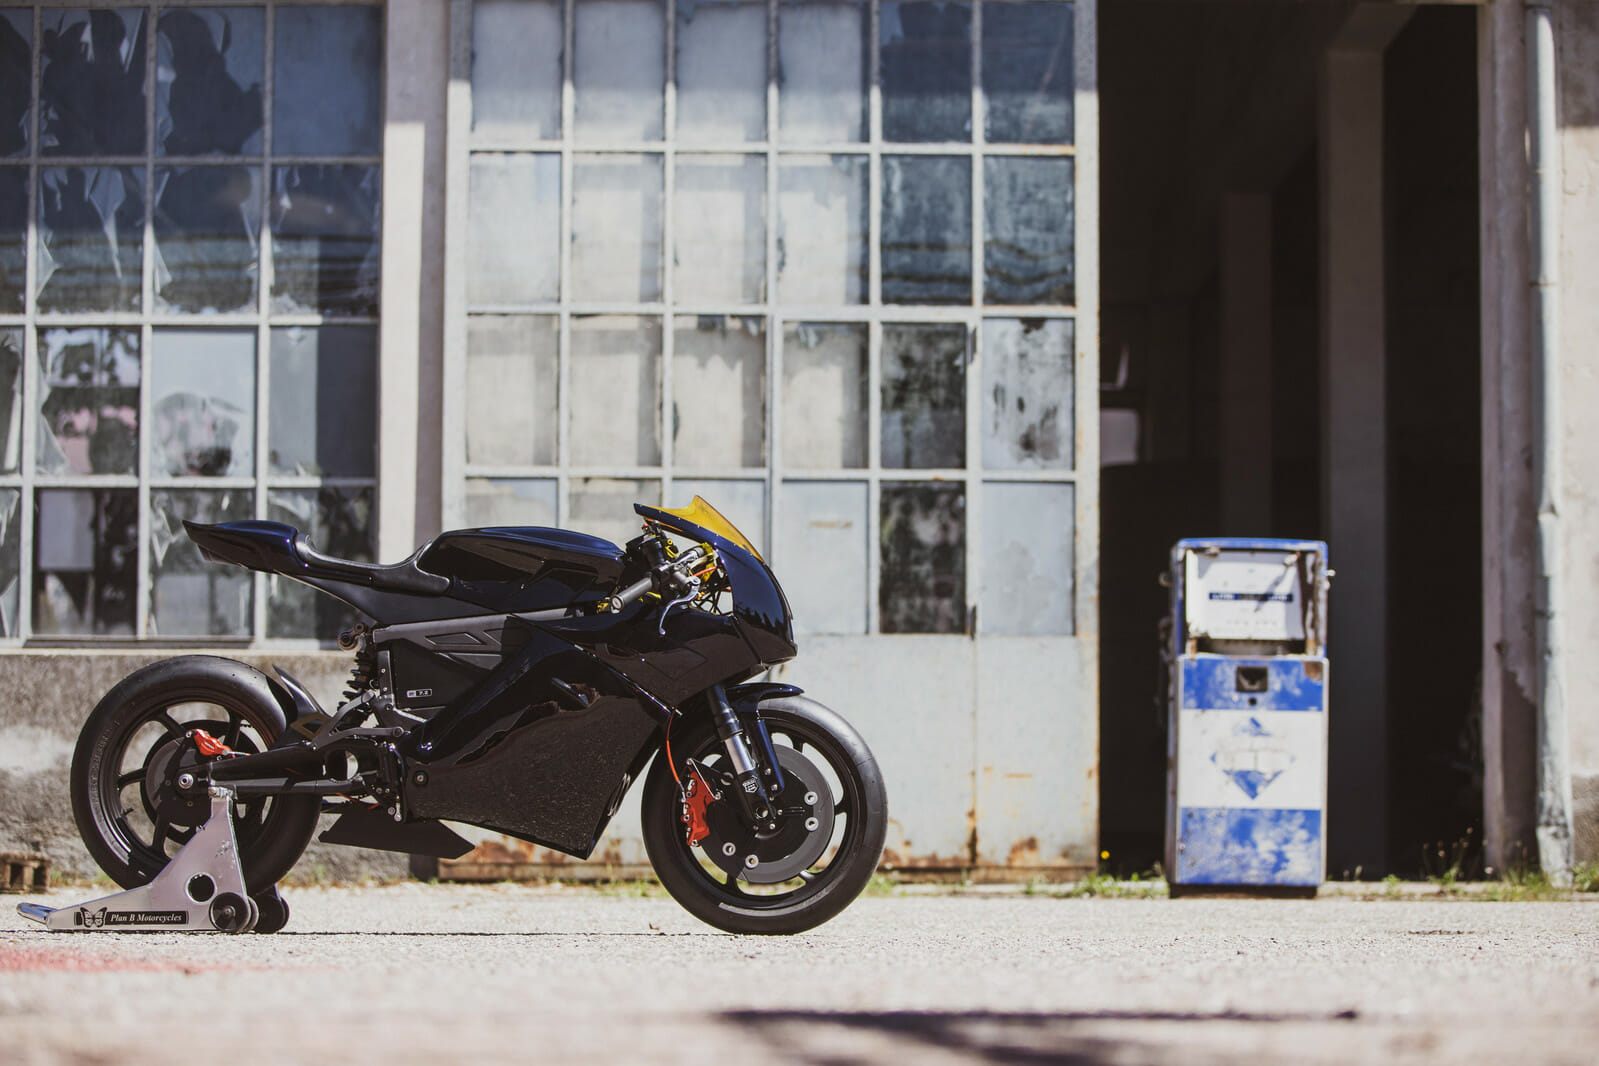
pixel 704 515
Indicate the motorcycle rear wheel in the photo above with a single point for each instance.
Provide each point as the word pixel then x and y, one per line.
pixel 120 782
pixel 813 895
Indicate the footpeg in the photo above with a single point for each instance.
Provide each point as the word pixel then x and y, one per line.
pixel 201 890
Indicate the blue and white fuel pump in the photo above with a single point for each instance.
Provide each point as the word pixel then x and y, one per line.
pixel 1247 728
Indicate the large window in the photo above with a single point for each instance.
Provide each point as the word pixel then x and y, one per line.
pixel 188 303
pixel 811 260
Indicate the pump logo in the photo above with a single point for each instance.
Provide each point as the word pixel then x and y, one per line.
pixel 103 917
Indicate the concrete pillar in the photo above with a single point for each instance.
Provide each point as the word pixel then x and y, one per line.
pixel 1354 452
pixel 1245 445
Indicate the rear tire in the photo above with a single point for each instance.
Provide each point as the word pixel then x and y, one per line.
pixel 123 815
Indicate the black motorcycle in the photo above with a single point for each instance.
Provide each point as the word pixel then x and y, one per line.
pixel 517 679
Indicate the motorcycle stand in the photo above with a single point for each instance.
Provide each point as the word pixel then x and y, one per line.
pixel 201 890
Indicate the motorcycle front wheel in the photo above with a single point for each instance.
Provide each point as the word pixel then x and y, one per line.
pixel 789 880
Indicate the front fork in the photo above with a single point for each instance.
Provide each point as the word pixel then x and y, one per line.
pixel 748 786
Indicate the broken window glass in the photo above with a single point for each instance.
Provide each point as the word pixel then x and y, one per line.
pixel 1027 72
pixel 719 392
pixel 927 229
pixel 719 250
pixel 721 70
pixel 511 373
pixel 516 69
pixel 1027 394
pixel 91 83
pixel 338 522
pixel 822 534
pixel 202 403
pixel 13 239
pixel 742 503
pixel 190 597
pixel 91 238
pixel 925 70
pixel 323 401
pixel 10 401
pixel 513 229
pixel 821 230
pixel 16 74
pixel 616 228
pixel 824 395
pixel 210 64
pixel 822 70
pixel 616 391
pixel 88 401
pixel 922 577
pixel 85 561
pixel 325 239
pixel 1027 559
pixel 619 70
pixel 327 95
pixel 10 561
pixel 1028 216
pixel 207 222
pixel 603 506
pixel 924 396
pixel 502 501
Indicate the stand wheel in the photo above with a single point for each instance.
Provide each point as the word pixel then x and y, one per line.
pixel 274 911
pixel 231 913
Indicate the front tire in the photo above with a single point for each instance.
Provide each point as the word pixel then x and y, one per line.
pixel 729 901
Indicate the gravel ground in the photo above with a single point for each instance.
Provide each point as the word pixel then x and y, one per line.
pixel 441 973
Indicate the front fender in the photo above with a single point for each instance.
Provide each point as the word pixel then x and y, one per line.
pixel 747 698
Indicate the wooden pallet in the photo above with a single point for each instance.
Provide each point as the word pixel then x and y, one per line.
pixel 24 871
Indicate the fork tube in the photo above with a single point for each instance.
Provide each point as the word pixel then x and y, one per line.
pixel 746 774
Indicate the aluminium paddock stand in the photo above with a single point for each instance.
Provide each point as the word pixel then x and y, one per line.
pixel 201 890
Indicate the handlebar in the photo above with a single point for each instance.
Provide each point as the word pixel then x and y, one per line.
pixel 659 578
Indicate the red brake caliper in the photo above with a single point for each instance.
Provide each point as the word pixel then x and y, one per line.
pixel 697 796
pixel 210 746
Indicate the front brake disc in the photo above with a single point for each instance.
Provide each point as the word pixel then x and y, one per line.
pixel 770 857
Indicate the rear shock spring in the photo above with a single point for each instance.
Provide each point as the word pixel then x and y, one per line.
pixel 364 672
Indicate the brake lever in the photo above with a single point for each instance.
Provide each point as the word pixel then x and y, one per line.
pixel 688 595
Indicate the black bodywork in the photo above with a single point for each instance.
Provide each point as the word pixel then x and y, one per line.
pixel 512 700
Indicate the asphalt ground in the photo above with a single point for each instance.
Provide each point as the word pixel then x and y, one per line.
pixel 414 973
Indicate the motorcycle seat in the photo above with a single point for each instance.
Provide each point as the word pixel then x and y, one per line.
pixel 276 548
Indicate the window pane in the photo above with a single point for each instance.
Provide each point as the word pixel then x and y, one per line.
pixel 742 503
pixel 1028 214
pixel 927 230
pixel 924 396
pixel 616 228
pixel 202 403
pixel 13 238
pixel 326 92
pixel 325 239
pixel 10 401
pixel 1027 72
pixel 616 391
pixel 720 247
pixel 926 70
pixel 188 596
pixel 208 82
pixel 516 69
pixel 10 561
pixel 922 578
pixel 822 65
pixel 1027 394
pixel 323 401
pixel 1027 559
pixel 721 71
pixel 821 230
pixel 822 538
pixel 88 401
pixel 619 70
pixel 338 523
pixel 824 396
pixel 85 561
pixel 509 502
pixel 603 507
pixel 719 392
pixel 91 89
pixel 207 222
pixel 16 74
pixel 91 244
pixel 514 227
pixel 511 372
